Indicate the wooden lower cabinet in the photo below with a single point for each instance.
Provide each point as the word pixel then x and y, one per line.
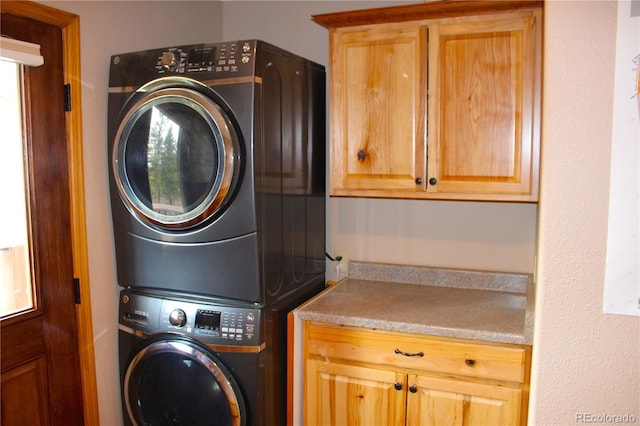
pixel 350 379
pixel 343 394
pixel 439 401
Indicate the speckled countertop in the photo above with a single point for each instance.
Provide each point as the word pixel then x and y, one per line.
pixel 477 305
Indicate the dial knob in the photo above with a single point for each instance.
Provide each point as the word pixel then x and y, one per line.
pixel 178 318
pixel 168 61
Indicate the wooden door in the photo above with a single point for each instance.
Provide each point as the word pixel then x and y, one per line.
pixel 378 109
pixel 341 394
pixel 441 402
pixel 484 107
pixel 41 381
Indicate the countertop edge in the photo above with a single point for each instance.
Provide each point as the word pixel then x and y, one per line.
pixel 309 312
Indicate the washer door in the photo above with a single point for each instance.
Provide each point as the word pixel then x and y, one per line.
pixel 174 381
pixel 175 156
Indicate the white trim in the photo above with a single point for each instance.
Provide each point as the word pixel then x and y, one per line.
pixel 20 52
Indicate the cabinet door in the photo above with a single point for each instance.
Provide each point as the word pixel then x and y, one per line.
pixel 340 394
pixel 439 402
pixel 378 115
pixel 484 107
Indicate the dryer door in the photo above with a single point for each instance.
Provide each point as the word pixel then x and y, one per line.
pixel 174 381
pixel 175 157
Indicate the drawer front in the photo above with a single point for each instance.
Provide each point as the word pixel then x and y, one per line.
pixel 403 350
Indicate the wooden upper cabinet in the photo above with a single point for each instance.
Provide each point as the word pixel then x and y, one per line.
pixel 439 100
pixel 482 86
pixel 378 108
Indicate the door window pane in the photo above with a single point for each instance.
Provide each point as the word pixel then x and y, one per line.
pixel 15 272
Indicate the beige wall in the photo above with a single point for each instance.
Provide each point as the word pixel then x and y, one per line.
pixel 584 361
pixel 496 236
pixel 107 28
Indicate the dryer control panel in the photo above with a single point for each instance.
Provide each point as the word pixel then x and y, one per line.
pixel 210 323
pixel 230 57
pixel 207 61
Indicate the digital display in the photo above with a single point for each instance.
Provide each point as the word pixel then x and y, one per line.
pixel 208 320
pixel 202 56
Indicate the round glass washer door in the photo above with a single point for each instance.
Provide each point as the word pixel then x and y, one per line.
pixel 175 158
pixel 177 382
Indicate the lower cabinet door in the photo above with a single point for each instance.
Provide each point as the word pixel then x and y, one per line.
pixel 439 402
pixel 342 394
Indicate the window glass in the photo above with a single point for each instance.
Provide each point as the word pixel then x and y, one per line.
pixel 15 266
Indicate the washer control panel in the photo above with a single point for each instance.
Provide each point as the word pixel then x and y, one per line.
pixel 211 323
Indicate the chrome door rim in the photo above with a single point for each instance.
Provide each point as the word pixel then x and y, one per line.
pixel 227 168
pixel 193 352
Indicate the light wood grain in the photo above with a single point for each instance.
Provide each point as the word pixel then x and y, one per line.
pixel 355 376
pixel 427 10
pixel 482 94
pixel 377 107
pixel 447 91
pixel 441 355
pixel 441 401
pixel 342 394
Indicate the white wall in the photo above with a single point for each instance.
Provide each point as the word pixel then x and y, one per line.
pixel 108 28
pixel 494 236
pixel 584 361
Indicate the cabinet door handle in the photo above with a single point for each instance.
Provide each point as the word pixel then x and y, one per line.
pixel 399 352
pixel 398 386
pixel 413 389
pixel 418 181
pixel 433 181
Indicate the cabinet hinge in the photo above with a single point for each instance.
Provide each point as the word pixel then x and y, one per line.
pixel 67 97
pixel 76 290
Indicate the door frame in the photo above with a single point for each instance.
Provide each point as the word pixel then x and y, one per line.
pixel 70 27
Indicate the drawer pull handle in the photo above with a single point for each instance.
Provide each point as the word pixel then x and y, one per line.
pixel 470 362
pixel 399 352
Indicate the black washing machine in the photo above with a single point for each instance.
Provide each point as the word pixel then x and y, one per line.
pixel 217 170
pixel 192 361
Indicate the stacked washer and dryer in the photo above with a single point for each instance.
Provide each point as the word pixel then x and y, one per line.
pixel 217 175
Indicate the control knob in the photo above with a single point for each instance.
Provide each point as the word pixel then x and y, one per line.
pixel 178 318
pixel 168 61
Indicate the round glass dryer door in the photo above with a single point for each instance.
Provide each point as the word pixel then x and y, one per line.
pixel 175 158
pixel 177 382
